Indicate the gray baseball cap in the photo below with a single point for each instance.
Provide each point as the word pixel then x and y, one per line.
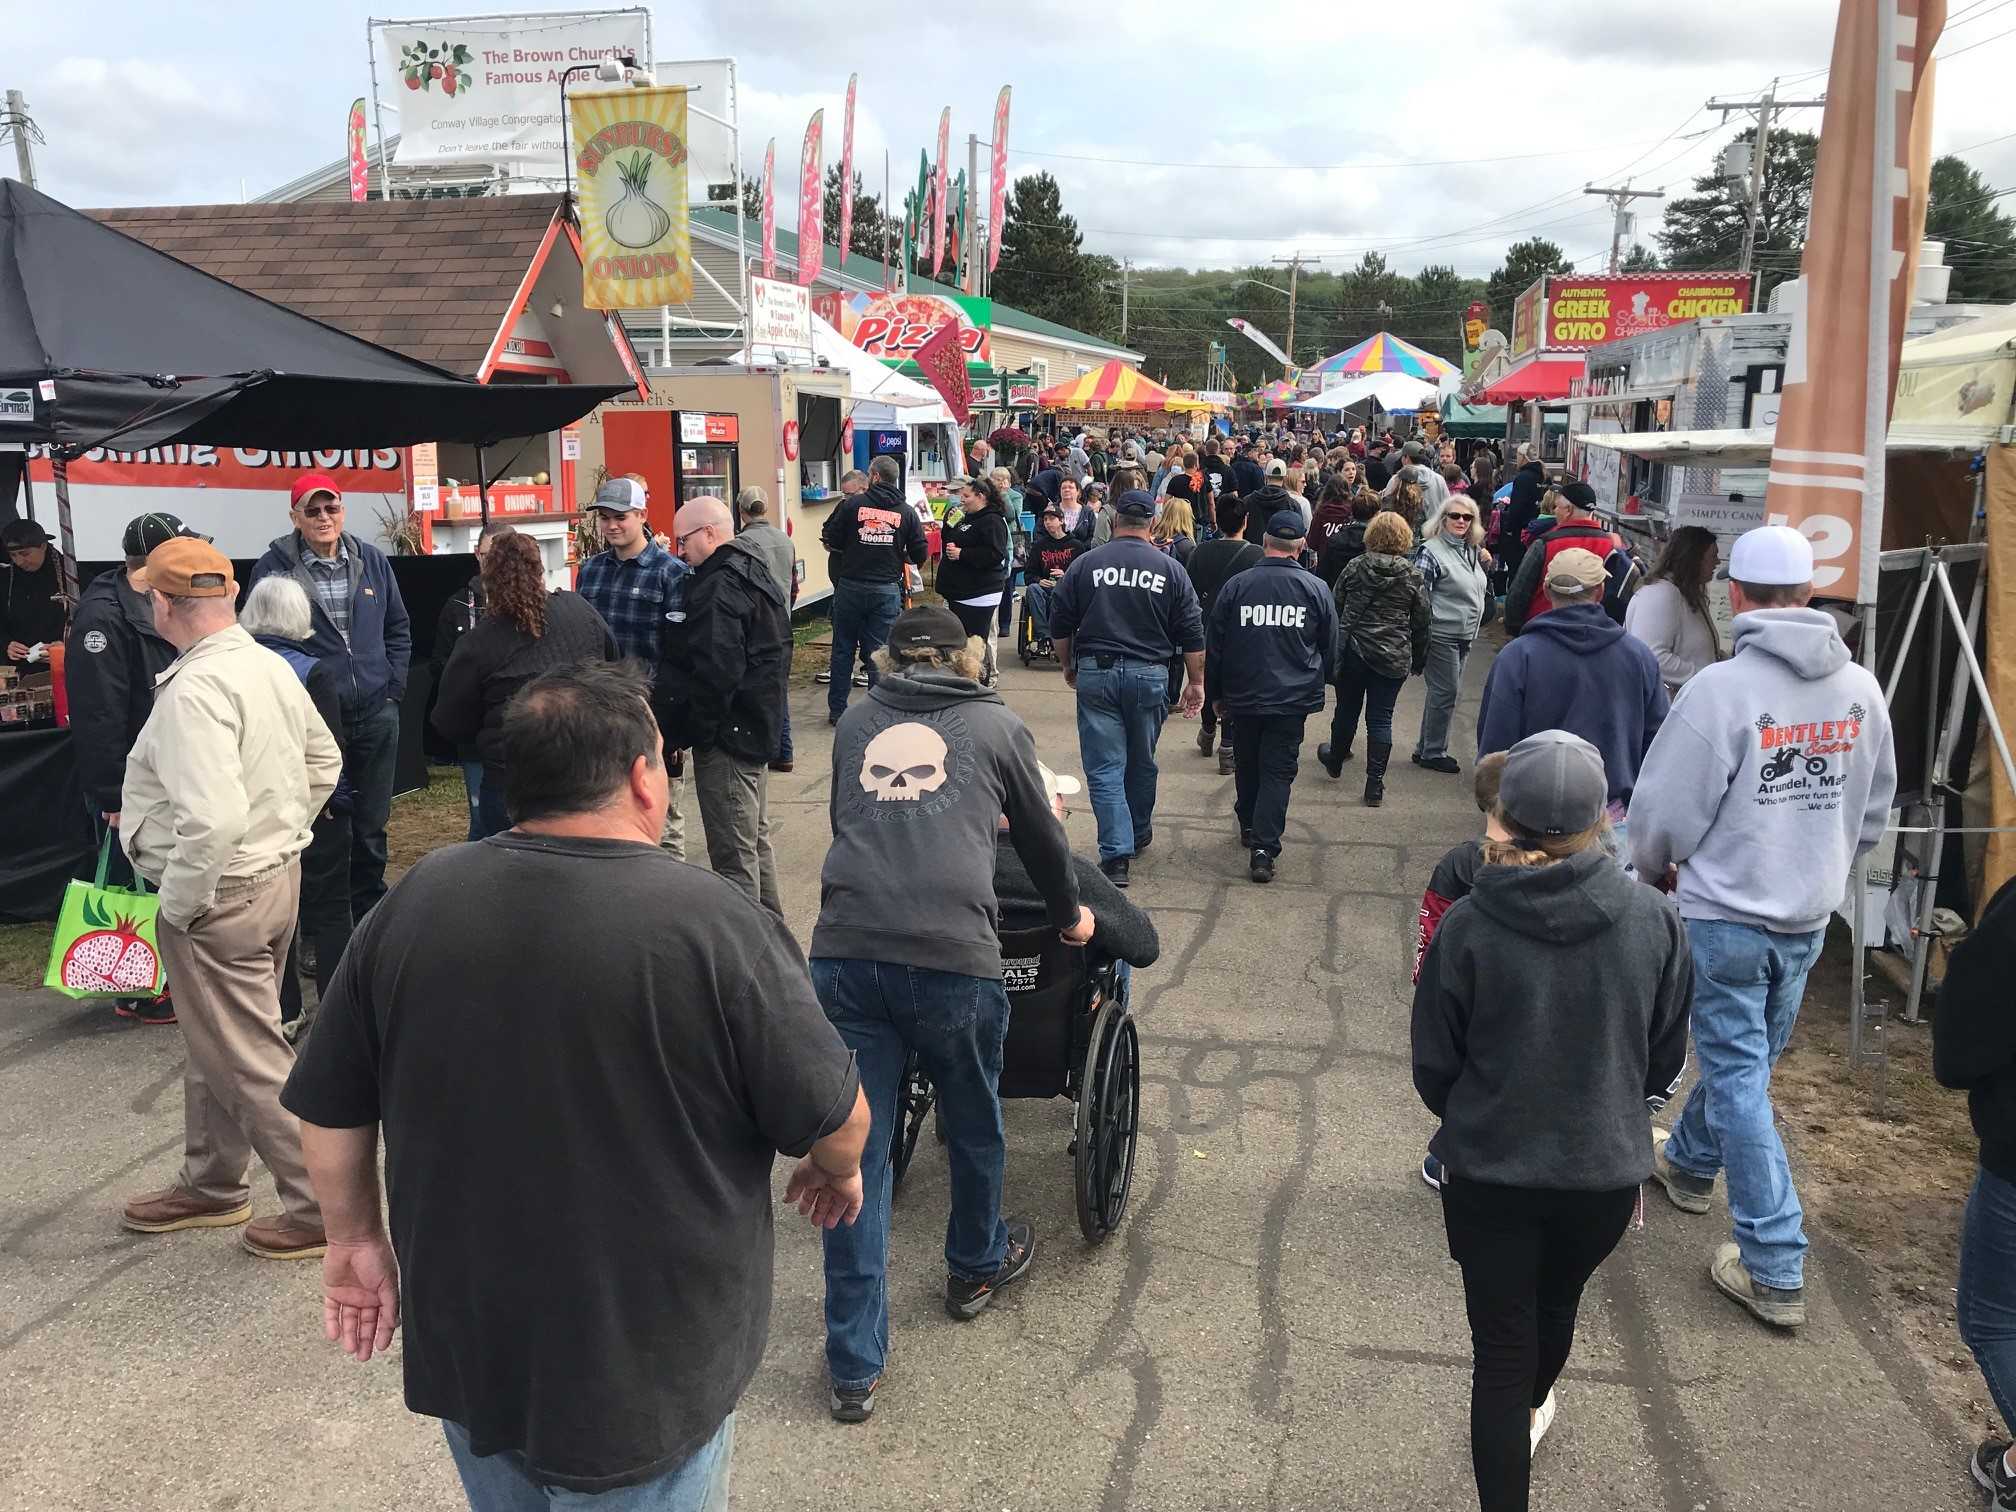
pixel 1553 784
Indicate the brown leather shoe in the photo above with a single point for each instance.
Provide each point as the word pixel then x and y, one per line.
pixel 173 1208
pixel 280 1238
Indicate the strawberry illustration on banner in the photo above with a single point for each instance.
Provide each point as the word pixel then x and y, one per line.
pixel 943 360
pixel 360 171
pixel 938 205
pixel 997 194
pixel 847 173
pixel 770 209
pixel 812 200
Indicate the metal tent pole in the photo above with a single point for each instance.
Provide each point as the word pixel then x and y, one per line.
pixel 482 484
pixel 66 531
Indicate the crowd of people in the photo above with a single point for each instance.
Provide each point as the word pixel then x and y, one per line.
pixel 1628 893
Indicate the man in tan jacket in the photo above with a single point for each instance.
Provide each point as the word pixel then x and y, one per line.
pixel 221 788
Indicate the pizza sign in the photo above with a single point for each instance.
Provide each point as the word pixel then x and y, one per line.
pixel 893 326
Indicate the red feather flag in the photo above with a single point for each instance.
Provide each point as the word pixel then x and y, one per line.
pixel 997 196
pixel 943 360
pixel 847 174
pixel 812 200
pixel 770 209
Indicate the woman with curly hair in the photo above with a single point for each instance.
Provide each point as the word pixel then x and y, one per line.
pixel 525 630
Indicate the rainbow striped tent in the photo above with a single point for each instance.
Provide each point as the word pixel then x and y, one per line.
pixel 1115 386
pixel 1277 395
pixel 1387 353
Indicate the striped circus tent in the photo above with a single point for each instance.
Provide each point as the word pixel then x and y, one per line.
pixel 1387 353
pixel 1115 386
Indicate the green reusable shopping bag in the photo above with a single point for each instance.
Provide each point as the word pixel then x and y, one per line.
pixel 105 944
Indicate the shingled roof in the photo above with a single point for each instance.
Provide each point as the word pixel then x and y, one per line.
pixel 430 278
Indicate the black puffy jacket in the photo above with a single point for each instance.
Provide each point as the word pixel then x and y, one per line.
pixel 982 564
pixel 110 662
pixel 1382 613
pixel 725 671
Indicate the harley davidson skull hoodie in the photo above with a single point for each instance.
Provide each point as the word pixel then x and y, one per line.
pixel 922 770
pixel 1772 773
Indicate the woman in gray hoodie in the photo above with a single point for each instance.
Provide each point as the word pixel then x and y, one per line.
pixel 1550 1019
pixel 1456 568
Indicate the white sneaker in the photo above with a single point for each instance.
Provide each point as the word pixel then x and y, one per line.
pixel 1542 1421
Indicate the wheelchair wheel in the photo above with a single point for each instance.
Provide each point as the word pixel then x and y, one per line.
pixel 914 1099
pixel 1109 1120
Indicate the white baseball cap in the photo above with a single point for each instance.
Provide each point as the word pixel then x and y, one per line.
pixel 620 495
pixel 1772 556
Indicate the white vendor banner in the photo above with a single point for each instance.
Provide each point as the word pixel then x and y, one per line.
pixel 490 92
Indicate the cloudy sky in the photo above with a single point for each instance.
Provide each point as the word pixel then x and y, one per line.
pixel 1179 139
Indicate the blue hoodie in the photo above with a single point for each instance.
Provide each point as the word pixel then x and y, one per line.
pixel 370 664
pixel 1575 669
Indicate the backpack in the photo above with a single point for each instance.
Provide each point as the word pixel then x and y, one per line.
pixel 1622 573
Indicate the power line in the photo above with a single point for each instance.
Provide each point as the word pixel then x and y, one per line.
pixel 1119 162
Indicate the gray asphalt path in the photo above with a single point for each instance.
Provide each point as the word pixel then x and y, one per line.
pixel 1277 1326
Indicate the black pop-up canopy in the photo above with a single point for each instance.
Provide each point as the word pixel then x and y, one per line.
pixel 139 349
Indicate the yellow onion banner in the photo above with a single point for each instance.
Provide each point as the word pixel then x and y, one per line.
pixel 629 149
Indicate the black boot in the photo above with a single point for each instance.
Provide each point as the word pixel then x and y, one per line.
pixel 1332 761
pixel 1375 772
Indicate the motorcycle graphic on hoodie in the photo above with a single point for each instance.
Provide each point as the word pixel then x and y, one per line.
pixel 1772 773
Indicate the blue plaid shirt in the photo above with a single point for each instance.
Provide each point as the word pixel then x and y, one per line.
pixel 636 597
pixel 330 578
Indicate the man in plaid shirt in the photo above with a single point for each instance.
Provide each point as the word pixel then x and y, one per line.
pixel 636 585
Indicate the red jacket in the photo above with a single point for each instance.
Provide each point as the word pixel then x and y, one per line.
pixel 1527 596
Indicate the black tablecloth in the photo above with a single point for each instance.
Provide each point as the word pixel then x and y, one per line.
pixel 45 833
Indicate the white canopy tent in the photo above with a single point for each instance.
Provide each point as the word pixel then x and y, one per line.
pixel 881 395
pixel 1393 391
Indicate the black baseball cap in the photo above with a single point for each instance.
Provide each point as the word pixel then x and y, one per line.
pixel 1135 504
pixel 1578 493
pixel 1286 525
pixel 145 532
pixel 16 534
pixel 927 627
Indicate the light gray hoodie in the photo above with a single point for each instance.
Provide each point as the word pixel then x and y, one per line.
pixel 1772 773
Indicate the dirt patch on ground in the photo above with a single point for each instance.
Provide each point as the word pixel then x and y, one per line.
pixel 1890 1185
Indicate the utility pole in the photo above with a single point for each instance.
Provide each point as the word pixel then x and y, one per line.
pixel 1766 111
pixel 1126 274
pixel 15 122
pixel 1620 207
pixel 1294 266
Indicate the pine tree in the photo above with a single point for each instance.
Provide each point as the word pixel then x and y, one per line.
pixel 1965 214
pixel 1044 268
pixel 1524 262
pixel 1640 259
pixel 868 223
pixel 1705 229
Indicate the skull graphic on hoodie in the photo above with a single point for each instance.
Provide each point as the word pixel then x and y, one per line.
pixel 912 768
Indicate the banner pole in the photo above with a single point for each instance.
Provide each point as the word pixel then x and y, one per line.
pixel 377 115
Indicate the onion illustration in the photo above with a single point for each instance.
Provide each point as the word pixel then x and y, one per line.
pixel 636 220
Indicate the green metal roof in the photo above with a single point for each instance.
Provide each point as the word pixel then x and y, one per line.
pixel 869 270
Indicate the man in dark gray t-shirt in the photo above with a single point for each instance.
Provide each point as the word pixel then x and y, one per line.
pixel 579 1124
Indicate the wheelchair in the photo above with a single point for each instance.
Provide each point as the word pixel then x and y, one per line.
pixel 1030 646
pixel 1069 1035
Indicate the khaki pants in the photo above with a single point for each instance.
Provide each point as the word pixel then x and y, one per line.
pixel 735 810
pixel 673 837
pixel 226 969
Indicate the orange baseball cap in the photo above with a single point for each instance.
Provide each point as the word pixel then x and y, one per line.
pixel 189 568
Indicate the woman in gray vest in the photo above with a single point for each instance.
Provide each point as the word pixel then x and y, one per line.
pixel 1455 566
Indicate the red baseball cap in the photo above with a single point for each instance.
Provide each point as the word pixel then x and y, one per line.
pixel 309 484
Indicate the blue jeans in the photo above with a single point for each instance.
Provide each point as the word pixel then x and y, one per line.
pixel 1358 685
pixel 784 733
pixel 1987 1297
pixel 500 1482
pixel 1747 986
pixel 1121 710
pixel 492 818
pixel 1036 598
pixel 370 760
pixel 862 615
pixel 1445 682
pixel 956 1025
pixel 472 784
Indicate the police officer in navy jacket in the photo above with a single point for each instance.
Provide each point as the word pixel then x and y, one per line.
pixel 1273 636
pixel 1124 611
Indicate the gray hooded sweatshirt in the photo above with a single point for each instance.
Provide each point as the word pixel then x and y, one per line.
pixel 922 770
pixel 1772 773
